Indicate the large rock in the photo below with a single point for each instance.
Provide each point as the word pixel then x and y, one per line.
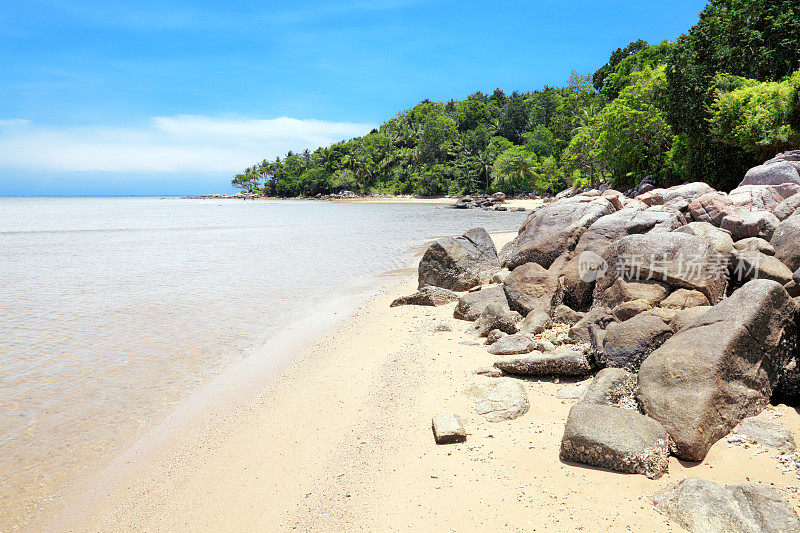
pixel 606 230
pixel 611 386
pixel 771 174
pixel 766 432
pixel 627 310
pixel 702 506
pixel 563 361
pixel 685 317
pixel 786 241
pixel 599 316
pixel 431 296
pixel 622 291
pixel 496 317
pixel 614 438
pixel 720 240
pixel 722 367
pixel 461 263
pixel 687 191
pixel 472 304
pixel 677 259
pixel 512 345
pixel 536 322
pixel 755 244
pixel 531 287
pixel 787 207
pixel 743 225
pixel 762 197
pixel 627 344
pixel 756 265
pixel 684 299
pixel 499 400
pixel 553 229
pixel 710 207
pixel 565 315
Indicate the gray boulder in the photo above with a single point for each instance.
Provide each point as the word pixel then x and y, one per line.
pixel 720 240
pixel 612 386
pixel 563 361
pixel 722 367
pixel 710 207
pixel 621 291
pixel 762 197
pixel 771 174
pixel 495 335
pixel 614 438
pixel 573 391
pixel 627 344
pixel 448 429
pixel 565 315
pixel 787 207
pixel 553 229
pixel 500 399
pixel 684 299
pixel 702 506
pixel 472 304
pixel 536 322
pixel 495 317
pixel 512 345
pixel 755 244
pixel 786 241
pixel 606 230
pixel 461 263
pixel 743 225
pixel 598 316
pixel 431 296
pixel 766 432
pixel 685 317
pixel 756 265
pixel 627 310
pixel 687 191
pixel 531 287
pixel 676 259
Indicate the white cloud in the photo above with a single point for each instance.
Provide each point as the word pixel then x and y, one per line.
pixel 184 143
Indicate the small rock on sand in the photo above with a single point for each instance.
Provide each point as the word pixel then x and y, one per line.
pixel 766 432
pixel 447 428
pixel 503 399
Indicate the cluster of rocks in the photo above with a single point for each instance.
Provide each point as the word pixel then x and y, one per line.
pixel 485 202
pixel 683 303
pixel 340 195
pixel 237 196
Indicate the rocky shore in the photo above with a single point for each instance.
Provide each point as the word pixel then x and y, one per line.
pixel 679 304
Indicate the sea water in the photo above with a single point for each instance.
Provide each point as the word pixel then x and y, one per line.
pixel 114 309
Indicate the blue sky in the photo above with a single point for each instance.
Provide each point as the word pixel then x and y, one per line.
pixel 158 97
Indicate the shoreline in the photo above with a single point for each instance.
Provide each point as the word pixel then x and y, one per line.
pixel 511 203
pixel 340 439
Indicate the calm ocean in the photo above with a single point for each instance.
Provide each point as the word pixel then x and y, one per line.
pixel 114 309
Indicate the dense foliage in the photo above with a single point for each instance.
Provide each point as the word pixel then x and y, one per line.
pixel 722 98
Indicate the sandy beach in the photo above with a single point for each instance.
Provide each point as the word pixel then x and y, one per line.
pixel 340 440
pixel 511 203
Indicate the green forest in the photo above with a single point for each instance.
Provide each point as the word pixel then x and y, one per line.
pixel 723 98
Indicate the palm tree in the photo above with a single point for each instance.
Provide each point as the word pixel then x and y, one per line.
pixel 583 118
